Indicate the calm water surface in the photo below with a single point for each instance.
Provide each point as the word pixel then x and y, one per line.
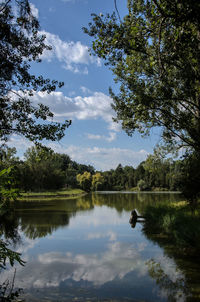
pixel 85 250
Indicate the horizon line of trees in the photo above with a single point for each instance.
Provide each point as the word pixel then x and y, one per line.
pixel 43 169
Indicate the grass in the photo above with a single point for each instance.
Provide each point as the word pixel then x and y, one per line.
pixel 177 222
pixel 48 195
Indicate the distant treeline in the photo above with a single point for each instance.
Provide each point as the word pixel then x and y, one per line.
pixel 43 169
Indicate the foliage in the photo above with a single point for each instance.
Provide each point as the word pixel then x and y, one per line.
pixel 43 169
pixel 155 56
pixel 85 181
pixel 97 181
pixel 142 186
pixel 160 170
pixel 178 223
pixel 188 178
pixel 8 189
pixel 7 294
pixel 175 289
pixel 7 254
pixel 20 44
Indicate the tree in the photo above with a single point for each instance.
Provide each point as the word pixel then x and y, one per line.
pixel 20 44
pixel 8 189
pixel 141 185
pixel 158 168
pixel 85 181
pixel 155 56
pixel 188 178
pixel 7 157
pixel 44 168
pixel 97 181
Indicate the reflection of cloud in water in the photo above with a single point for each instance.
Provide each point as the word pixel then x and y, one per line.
pixel 120 261
pixel 54 267
pixel 170 280
pixel 168 265
pixel 27 244
pixel 117 261
pixel 101 216
pixel 111 235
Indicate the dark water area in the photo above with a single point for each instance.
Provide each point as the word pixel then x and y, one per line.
pixel 85 249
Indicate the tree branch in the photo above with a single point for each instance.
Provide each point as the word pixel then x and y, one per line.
pixel 4 5
pixel 115 1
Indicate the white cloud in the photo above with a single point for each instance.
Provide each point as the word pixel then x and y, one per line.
pixel 94 136
pixel 34 10
pixel 102 158
pixel 85 90
pixel 72 54
pixel 97 105
pixel 112 136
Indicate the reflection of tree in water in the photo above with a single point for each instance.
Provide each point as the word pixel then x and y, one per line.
pixel 185 262
pixel 40 218
pixel 128 201
pixel 43 223
pixel 175 290
pixel 9 227
pixel 9 233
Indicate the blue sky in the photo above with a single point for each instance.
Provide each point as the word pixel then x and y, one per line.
pixel 93 138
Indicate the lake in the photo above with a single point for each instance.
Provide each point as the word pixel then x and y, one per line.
pixel 85 249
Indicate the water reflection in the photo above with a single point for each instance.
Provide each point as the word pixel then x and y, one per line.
pixel 104 275
pixel 173 285
pixel 39 219
pixel 187 287
pixel 85 249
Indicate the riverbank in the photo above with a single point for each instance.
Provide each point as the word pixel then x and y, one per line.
pixel 48 195
pixel 177 223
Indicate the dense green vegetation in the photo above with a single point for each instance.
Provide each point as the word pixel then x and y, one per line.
pixel 178 223
pixel 154 55
pixel 44 170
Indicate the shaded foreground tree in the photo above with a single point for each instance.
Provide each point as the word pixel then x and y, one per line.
pixel 20 44
pixel 154 54
pixel 188 178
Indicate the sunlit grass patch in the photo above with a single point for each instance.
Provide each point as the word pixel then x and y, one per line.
pixel 49 195
pixel 179 204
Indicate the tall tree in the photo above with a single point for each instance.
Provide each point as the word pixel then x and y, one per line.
pixel 85 181
pixel 20 44
pixel 42 170
pixel 154 54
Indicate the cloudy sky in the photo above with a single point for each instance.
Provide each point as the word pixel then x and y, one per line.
pixel 93 138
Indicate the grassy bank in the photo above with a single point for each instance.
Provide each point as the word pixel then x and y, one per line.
pixel 176 222
pixel 47 195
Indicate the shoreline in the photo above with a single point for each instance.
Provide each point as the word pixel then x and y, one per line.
pixel 73 193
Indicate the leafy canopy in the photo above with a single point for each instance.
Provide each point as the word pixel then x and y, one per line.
pixel 155 56
pixel 20 44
